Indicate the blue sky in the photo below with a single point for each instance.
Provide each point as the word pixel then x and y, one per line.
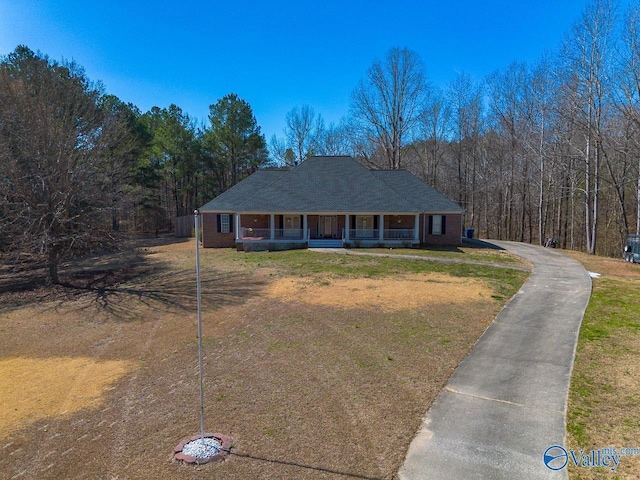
pixel 277 54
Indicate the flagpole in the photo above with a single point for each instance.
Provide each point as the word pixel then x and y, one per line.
pixel 198 293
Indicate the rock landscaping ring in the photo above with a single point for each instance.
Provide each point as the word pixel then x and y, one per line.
pixel 212 447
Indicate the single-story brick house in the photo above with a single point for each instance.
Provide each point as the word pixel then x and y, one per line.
pixel 330 201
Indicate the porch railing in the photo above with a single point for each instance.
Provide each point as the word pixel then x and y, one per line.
pixel 265 233
pixel 387 234
pixel 247 233
pixel 363 233
pixel 289 233
pixel 399 234
pixel 255 233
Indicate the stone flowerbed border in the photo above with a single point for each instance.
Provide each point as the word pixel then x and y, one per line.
pixel 225 443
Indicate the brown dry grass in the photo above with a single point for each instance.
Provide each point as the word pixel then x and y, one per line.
pixel 313 377
pixel 406 292
pixel 605 265
pixel 40 388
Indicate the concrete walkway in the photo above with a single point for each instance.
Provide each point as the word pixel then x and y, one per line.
pixel 506 402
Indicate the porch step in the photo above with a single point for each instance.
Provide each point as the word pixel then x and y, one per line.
pixel 325 243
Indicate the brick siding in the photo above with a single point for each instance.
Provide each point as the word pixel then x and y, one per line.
pixel 210 236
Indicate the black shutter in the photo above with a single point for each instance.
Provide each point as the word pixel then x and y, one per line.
pixel 375 222
pixel 219 223
pixel 430 224
pixel 444 224
pixel 231 222
pixel 353 222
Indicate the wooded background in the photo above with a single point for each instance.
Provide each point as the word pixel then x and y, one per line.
pixel 533 151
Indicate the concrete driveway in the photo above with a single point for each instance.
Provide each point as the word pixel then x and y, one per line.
pixel 506 402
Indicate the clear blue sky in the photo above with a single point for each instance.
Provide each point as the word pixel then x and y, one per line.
pixel 277 54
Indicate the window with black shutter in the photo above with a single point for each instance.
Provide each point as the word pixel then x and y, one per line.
pixel 224 223
pixel 436 224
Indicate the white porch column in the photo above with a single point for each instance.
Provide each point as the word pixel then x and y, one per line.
pixel 238 226
pixel 416 228
pixel 304 227
pixel 272 227
pixel 347 224
pixel 381 228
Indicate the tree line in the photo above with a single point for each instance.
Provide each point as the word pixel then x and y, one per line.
pixel 79 168
pixel 531 152
pixel 551 149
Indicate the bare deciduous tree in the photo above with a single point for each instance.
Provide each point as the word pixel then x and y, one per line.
pixel 630 85
pixel 55 198
pixel 387 103
pixel 303 132
pixel 465 98
pixel 304 136
pixel 434 126
pixel 588 54
pixel 335 140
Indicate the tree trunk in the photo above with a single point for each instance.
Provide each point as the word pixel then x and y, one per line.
pixel 541 222
pixel 594 215
pixel 587 190
pixel 638 201
pixel 52 264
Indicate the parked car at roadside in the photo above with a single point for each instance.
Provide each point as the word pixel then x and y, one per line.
pixel 632 249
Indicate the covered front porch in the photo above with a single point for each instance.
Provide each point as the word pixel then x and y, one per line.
pixel 295 230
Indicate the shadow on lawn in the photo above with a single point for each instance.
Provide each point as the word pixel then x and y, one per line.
pixel 305 467
pixel 119 283
pixel 168 291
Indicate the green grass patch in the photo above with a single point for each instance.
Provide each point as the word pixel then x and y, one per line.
pixel 605 390
pixel 614 309
pixel 453 253
pixel 303 263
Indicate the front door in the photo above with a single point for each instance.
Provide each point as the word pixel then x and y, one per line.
pixel 327 226
pixel 327 230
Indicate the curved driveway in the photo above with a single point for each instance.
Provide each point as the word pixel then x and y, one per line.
pixel 505 404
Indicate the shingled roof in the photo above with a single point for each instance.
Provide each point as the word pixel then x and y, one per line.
pixel 331 184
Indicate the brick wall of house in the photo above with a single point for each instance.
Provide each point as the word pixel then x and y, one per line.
pixel 452 235
pixel 399 221
pixel 256 221
pixel 210 236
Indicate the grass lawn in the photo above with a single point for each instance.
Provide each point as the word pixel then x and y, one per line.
pixel 604 398
pixel 463 253
pixel 318 366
